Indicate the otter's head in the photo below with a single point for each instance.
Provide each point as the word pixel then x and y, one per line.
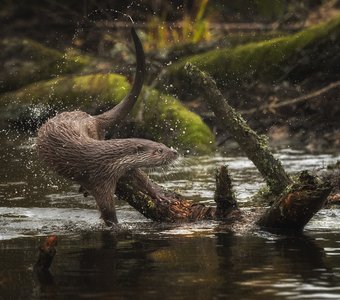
pixel 149 154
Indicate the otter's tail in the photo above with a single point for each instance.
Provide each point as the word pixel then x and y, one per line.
pixel 120 111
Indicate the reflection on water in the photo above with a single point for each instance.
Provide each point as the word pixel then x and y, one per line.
pixel 146 260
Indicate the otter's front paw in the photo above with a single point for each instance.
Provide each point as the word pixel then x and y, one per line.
pixel 83 191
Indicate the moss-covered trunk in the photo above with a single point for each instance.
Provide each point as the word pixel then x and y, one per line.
pixel 253 145
pixel 294 204
pixel 292 57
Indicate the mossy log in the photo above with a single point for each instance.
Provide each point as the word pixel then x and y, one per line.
pixel 294 205
pixel 159 204
pixel 157 116
pixel 291 211
pixel 295 57
pixel 254 146
pixel 25 61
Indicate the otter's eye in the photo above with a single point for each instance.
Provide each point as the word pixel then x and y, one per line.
pixel 159 150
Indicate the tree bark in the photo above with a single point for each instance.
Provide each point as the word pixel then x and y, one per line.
pixel 159 204
pixel 254 146
pixel 224 197
pixel 295 203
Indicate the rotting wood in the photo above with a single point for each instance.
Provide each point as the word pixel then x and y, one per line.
pixel 254 146
pixel 297 205
pixel 224 196
pixel 294 205
pixel 159 204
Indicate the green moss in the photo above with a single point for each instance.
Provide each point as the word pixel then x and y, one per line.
pixel 71 92
pixel 170 122
pixel 25 61
pixel 264 197
pixel 265 60
pixel 164 118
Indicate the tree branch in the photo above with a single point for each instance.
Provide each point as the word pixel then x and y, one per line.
pixel 253 145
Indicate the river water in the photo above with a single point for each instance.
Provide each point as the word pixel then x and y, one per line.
pixel 147 260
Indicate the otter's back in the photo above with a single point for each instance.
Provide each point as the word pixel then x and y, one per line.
pixel 62 142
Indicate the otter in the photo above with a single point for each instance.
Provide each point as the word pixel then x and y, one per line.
pixel 72 144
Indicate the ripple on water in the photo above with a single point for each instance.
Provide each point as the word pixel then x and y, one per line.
pixel 19 221
pixel 325 220
pixel 68 210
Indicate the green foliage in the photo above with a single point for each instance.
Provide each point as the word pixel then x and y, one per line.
pixel 190 30
pixel 167 120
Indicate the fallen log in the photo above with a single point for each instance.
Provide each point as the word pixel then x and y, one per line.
pixel 254 146
pixel 46 254
pixel 154 202
pixel 159 204
pixel 293 209
pixel 292 57
pixel 295 201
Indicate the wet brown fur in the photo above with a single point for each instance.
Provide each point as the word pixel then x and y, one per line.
pixel 72 144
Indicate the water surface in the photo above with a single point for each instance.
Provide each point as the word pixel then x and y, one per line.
pixel 147 260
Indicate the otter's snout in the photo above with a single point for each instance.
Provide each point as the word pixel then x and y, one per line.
pixel 174 152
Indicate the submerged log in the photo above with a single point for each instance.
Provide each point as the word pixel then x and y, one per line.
pixel 291 210
pixel 296 202
pixel 46 254
pixel 158 204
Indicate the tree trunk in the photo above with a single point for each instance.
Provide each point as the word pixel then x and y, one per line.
pixel 295 203
pixel 253 145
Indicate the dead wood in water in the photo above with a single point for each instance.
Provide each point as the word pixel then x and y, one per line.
pixel 46 254
pixel 226 204
pixel 295 202
pixel 156 203
pixel 253 145
pixel 159 204
pixel 297 205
